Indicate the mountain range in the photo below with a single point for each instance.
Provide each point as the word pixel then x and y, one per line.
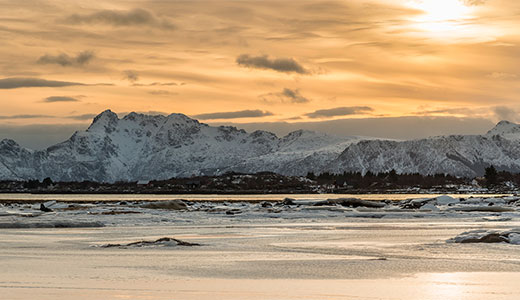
pixel 144 147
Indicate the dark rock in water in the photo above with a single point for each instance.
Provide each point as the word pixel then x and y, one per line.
pixel 161 241
pixel 483 236
pixel 288 201
pixel 351 202
pixel 122 203
pixel 170 204
pixel 489 238
pixel 266 204
pixel 233 212
pixel 414 203
pixel 44 209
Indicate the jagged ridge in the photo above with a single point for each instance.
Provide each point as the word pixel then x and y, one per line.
pixel 144 147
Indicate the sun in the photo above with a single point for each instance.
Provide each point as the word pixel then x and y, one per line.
pixel 441 10
pixel 440 15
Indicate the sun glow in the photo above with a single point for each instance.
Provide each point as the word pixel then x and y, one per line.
pixel 440 16
pixel 441 10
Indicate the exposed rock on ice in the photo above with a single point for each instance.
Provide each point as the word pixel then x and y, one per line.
pixel 482 208
pixel 351 202
pixel 170 204
pixel 163 242
pixel 486 236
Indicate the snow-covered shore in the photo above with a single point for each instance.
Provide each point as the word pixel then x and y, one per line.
pixel 52 214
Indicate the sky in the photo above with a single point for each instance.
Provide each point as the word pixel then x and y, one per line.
pixel 388 68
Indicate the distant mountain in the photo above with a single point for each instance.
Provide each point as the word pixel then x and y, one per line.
pixel 460 155
pixel 144 147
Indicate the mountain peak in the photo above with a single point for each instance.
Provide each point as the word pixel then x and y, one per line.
pixel 105 121
pixel 177 116
pixel 505 128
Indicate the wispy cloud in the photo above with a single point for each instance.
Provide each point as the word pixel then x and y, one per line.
pixel 17 82
pixel 119 18
pixel 340 111
pixel 65 60
pixel 286 95
pixel 473 2
pixel 131 75
pixel 156 84
pixel 82 117
pixel 234 115
pixel 285 65
pixel 52 99
pixel 161 93
pixel 14 117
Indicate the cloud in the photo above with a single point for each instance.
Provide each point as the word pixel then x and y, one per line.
pixel 340 111
pixel 392 127
pixel 155 84
pixel 18 82
pixel 13 117
pixel 285 65
pixel 65 60
pixel 39 136
pixel 29 116
pixel 506 113
pixel 82 117
pixel 234 115
pixel 161 93
pixel 448 111
pixel 52 99
pixel 287 95
pixel 294 95
pixel 119 18
pixel 474 2
pixel 131 75
pixel 502 75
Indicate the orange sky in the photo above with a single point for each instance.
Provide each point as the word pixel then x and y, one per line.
pixel 266 61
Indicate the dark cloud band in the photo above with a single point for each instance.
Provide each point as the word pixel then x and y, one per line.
pixel 52 99
pixel 285 65
pixel 17 82
pixel 340 111
pixel 135 17
pixel 234 115
pixel 65 60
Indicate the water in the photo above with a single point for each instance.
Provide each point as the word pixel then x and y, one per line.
pixel 293 253
pixel 350 260
pixel 218 198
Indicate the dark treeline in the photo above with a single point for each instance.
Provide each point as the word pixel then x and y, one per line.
pixel 356 180
pixel 268 182
pixel 263 182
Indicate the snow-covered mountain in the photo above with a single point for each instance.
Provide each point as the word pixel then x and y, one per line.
pixel 144 147
pixel 461 155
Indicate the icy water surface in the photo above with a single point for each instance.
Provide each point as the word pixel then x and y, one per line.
pixel 194 197
pixel 244 251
